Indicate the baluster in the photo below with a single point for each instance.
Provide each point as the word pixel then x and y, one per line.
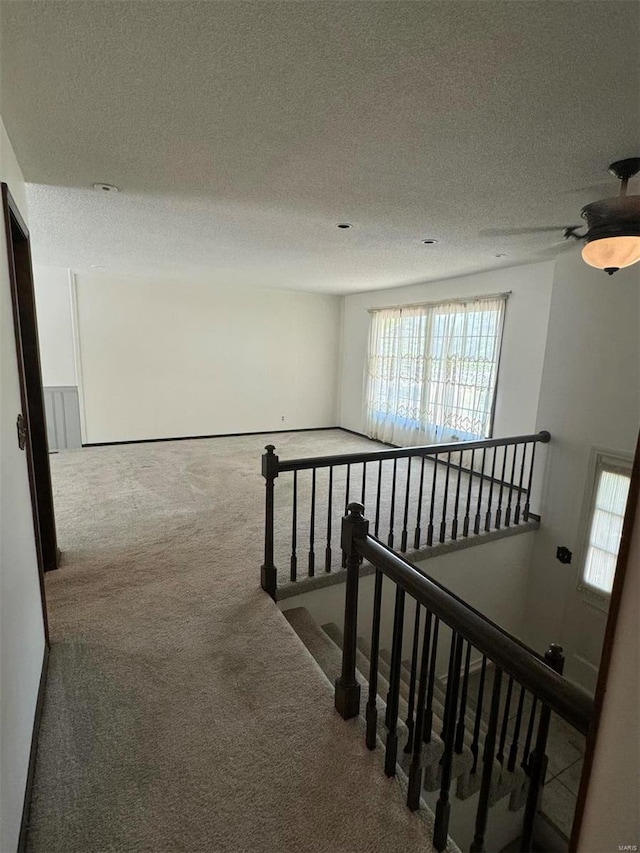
pixel 433 501
pixel 478 719
pixel 443 806
pixel 412 680
pixel 502 476
pixel 526 752
pixel 268 571
pixel 487 766
pixel 516 518
pixel 554 658
pixel 443 523
pixel 513 752
pixel 312 525
pixel 364 483
pixel 527 505
pixel 465 526
pixel 476 524
pixel 463 702
pixel 505 722
pixel 428 712
pixel 294 529
pixel 327 553
pixel 418 534
pixel 487 522
pixel 415 769
pixel 454 525
pixel 376 526
pixel 393 696
pixel 393 505
pixel 347 689
pixel 372 707
pixel 507 519
pixel 346 507
pixel 445 716
pixel 403 540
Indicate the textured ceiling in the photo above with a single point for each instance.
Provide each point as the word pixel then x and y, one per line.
pixel 241 132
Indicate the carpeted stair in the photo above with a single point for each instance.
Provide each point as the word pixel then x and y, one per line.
pixel 325 645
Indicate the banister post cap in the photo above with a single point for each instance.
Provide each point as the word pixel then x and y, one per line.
pixel 270 463
pixel 354 526
pixel 554 657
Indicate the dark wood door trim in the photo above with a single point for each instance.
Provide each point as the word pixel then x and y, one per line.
pixel 607 646
pixel 30 378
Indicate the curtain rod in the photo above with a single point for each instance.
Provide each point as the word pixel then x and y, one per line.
pixel 459 299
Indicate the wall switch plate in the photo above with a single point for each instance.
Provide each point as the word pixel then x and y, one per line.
pixel 564 554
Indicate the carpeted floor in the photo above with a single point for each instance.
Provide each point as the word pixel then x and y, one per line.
pixel 182 712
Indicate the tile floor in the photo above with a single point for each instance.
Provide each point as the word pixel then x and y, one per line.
pixel 565 752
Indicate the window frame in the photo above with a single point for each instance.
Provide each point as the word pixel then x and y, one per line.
pixel 427 425
pixel 600 459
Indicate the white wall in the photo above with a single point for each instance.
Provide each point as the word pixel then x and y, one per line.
pixel 612 809
pixel 464 572
pixel 168 359
pixel 55 336
pixel 589 398
pixel 21 625
pixel 523 345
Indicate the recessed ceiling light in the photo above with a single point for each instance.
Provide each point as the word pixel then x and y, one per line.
pixel 429 241
pixel 106 188
pixel 344 225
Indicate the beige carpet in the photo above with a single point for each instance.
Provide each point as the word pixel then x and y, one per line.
pixel 182 712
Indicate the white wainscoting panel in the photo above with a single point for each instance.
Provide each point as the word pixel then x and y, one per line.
pixel 62 412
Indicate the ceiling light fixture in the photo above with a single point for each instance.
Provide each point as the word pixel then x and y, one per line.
pixel 106 188
pixel 613 224
pixel 344 225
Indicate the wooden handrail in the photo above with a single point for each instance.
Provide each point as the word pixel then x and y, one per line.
pixel 406 452
pixel 572 703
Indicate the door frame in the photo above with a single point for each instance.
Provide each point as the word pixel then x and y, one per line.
pixel 31 393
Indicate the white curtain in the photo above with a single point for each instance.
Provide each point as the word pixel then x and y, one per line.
pixel 432 370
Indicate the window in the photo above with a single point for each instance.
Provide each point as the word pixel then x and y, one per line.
pixel 432 370
pixel 605 518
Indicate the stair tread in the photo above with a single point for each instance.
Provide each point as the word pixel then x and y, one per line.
pixel 324 644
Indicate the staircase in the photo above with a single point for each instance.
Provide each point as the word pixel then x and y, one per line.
pixel 508 789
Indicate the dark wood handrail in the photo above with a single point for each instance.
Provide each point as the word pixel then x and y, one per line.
pixel 572 703
pixel 405 452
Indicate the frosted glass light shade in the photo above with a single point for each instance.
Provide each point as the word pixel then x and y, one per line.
pixel 612 252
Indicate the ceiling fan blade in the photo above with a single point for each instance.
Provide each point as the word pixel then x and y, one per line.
pixel 611 188
pixel 558 248
pixel 514 232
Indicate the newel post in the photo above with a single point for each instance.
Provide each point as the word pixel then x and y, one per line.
pixel 268 572
pixel 347 697
pixel 555 659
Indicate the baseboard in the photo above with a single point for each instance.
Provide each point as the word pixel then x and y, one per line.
pixel 37 718
pixel 474 666
pixel 368 437
pixel 198 437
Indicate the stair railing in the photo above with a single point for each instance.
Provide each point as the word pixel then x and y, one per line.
pixel 419 498
pixel 510 743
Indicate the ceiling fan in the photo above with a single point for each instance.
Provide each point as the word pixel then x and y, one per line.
pixel 612 238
